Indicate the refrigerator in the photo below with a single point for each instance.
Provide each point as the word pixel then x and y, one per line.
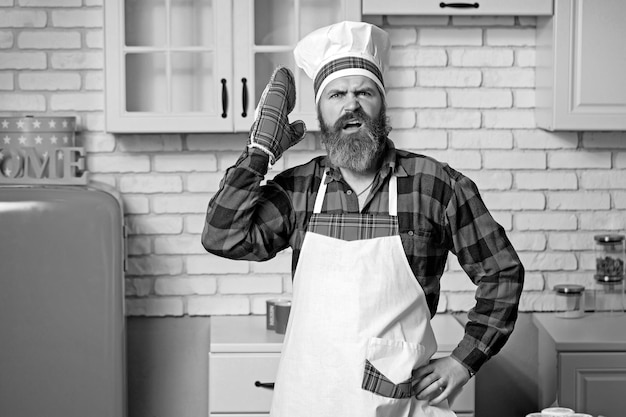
pixel 62 326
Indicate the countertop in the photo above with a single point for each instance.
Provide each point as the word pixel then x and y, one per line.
pixel 246 333
pixel 592 332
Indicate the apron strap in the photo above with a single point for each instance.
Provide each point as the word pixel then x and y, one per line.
pixel 393 196
pixel 321 192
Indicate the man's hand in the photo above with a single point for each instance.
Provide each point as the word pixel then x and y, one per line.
pixel 271 131
pixel 440 379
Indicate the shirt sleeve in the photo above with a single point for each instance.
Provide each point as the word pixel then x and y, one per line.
pixel 487 256
pixel 246 220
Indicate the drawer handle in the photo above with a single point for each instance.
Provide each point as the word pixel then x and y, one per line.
pixel 244 97
pixel 224 99
pixel 268 385
pixel 459 5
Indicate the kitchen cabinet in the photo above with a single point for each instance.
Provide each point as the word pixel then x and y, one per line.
pixel 468 8
pixel 581 61
pixel 201 65
pixel 582 362
pixel 244 356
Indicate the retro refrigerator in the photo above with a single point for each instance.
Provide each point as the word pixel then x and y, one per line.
pixel 62 332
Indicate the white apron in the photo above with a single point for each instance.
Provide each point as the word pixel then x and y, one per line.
pixel 356 305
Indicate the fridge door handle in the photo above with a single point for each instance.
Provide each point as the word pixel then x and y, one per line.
pixel 125 248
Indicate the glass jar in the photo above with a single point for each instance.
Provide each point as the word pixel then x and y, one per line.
pixel 569 301
pixel 609 257
pixel 609 277
pixel 608 295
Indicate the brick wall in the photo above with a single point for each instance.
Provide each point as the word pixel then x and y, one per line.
pixel 460 89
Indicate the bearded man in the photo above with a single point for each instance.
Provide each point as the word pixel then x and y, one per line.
pixel 370 227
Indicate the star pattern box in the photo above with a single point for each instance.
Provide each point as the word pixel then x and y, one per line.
pixel 40 150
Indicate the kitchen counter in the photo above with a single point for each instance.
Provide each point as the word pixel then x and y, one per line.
pixel 245 333
pixel 592 332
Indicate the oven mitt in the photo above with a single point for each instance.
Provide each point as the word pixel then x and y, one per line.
pixel 271 131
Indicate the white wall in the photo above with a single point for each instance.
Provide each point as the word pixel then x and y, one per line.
pixel 460 89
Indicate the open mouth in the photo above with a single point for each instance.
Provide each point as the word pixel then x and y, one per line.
pixel 352 124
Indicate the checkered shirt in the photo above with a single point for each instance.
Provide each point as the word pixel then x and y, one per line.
pixel 439 211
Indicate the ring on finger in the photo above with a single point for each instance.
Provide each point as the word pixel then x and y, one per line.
pixel 440 386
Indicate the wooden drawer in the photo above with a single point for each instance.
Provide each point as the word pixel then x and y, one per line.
pixel 232 378
pixel 481 7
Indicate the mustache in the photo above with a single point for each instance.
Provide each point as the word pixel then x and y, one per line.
pixel 358 114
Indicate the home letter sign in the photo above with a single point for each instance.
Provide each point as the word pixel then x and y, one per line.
pixel 40 151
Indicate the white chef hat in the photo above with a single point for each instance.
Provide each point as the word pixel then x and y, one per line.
pixel 342 49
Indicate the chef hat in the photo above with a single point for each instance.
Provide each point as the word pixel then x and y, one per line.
pixel 343 49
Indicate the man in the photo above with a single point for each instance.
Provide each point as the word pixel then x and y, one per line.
pixel 370 228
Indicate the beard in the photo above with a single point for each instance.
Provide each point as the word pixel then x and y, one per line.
pixel 359 151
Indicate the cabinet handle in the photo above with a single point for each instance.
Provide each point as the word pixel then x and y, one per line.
pixel 459 5
pixel 224 99
pixel 244 97
pixel 268 385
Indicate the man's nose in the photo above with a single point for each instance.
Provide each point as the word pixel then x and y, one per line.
pixel 352 103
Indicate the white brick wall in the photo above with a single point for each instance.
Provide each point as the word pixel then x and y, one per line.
pixel 459 89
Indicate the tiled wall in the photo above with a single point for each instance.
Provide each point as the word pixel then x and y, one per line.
pixel 460 89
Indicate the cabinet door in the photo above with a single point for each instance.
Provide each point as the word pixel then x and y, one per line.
pixel 168 65
pixel 265 34
pixel 581 61
pixel 593 383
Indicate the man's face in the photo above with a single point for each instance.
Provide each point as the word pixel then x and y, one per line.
pixel 352 118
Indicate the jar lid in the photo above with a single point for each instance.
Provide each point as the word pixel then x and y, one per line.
pixel 557 411
pixel 569 289
pixel 609 238
pixel 608 279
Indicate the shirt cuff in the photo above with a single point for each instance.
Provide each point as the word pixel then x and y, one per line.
pixel 255 159
pixel 470 356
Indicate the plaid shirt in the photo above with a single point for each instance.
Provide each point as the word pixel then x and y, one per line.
pixel 439 211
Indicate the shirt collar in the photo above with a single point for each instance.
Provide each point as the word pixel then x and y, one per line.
pixel 390 164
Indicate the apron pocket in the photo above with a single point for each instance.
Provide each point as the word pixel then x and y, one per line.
pixel 389 365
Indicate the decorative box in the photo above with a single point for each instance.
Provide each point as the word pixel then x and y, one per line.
pixel 40 150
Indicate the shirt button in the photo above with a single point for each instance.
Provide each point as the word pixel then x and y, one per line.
pixel 349 192
pixel 411 233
